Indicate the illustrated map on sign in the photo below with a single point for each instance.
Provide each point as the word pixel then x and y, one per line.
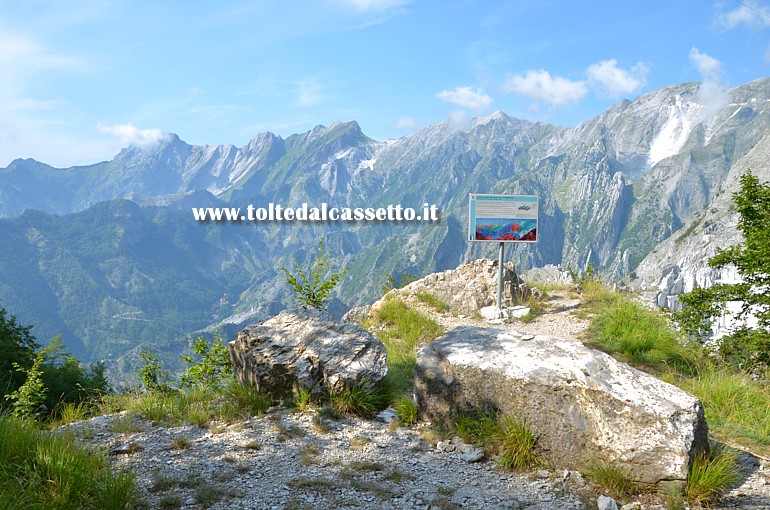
pixel 503 218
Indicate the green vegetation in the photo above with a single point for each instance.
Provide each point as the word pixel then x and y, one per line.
pixel 612 479
pixel 361 400
pixel 41 384
pixel 735 402
pixel 505 436
pixel 40 469
pixel 393 282
pixel 407 410
pixel 314 285
pixel 748 348
pixel 432 300
pixel 213 366
pixel 647 340
pixel 403 331
pixel 711 476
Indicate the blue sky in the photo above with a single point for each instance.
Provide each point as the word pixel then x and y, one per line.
pixel 79 79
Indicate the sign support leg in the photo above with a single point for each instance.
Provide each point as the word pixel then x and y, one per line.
pixel 500 254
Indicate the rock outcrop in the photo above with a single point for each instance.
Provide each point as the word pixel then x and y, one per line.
pixel 468 288
pixel 306 348
pixel 582 403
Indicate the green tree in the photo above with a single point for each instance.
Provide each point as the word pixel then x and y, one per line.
pixel 314 285
pixel 17 349
pixel 153 375
pixel 747 348
pixel 29 398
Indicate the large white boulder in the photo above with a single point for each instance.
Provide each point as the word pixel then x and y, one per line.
pixel 305 347
pixel 581 402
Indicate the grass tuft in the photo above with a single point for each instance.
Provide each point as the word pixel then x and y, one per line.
pixel 407 410
pixel 505 436
pixel 432 300
pixel 711 476
pixel 611 478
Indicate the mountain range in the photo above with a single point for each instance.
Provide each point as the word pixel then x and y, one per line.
pixel 110 255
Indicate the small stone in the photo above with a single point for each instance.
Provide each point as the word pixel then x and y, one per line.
pixel 632 506
pixel 543 474
pixel 388 415
pixel 606 503
pixel 518 311
pixel 492 312
pixel 474 455
pixel 526 338
pixel 449 447
pixel 190 501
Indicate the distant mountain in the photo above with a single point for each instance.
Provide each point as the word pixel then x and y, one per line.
pixel 113 257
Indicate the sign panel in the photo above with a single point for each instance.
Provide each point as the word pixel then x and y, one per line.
pixel 503 218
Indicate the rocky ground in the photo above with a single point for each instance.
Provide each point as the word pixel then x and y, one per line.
pixel 288 460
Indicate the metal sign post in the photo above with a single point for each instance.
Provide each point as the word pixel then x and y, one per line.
pixel 500 255
pixel 503 219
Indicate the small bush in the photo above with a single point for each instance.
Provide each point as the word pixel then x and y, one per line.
pixel 212 367
pixel 246 400
pixel 711 476
pixel 397 282
pixel 182 442
pixel 314 285
pixel 516 445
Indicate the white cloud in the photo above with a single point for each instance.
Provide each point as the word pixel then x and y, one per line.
pixel 712 93
pixel 709 67
pixel 749 13
pixel 406 124
pixel 539 85
pixel 466 97
pixel 617 81
pixel 128 134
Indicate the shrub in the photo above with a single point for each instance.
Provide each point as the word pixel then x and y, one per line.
pixel 152 374
pixel 748 349
pixel 212 367
pixel 360 400
pixel 314 285
pixel 397 282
